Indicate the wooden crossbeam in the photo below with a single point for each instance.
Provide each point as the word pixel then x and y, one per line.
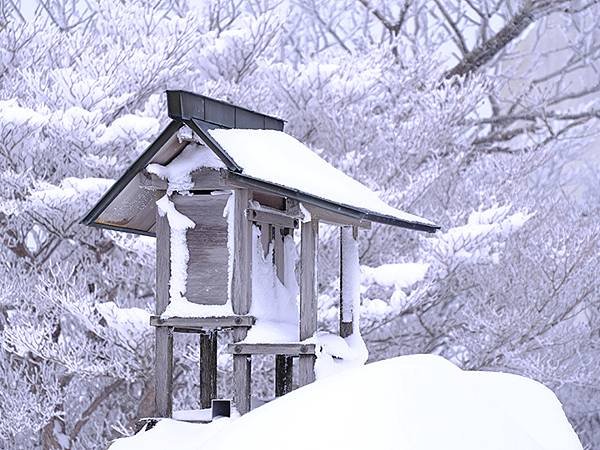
pixel 289 349
pixel 272 216
pixel 202 323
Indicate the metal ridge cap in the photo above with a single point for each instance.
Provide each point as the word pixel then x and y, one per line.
pixel 181 92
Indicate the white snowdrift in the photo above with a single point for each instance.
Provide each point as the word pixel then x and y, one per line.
pixel 419 402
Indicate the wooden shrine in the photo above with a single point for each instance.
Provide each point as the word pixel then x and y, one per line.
pixel 279 206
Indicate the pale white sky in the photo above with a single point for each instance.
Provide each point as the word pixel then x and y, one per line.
pixel 28 7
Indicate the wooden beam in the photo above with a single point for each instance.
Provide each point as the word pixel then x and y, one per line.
pixel 308 296
pixel 182 324
pixel 242 259
pixel 272 217
pixel 333 218
pixel 289 349
pixel 203 179
pixel 163 355
pixel 242 371
pixel 208 368
pixel 284 374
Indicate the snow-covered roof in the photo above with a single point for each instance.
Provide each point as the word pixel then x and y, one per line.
pixel 276 157
pixel 255 152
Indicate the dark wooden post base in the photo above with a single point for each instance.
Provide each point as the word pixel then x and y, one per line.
pixel 208 368
pixel 284 374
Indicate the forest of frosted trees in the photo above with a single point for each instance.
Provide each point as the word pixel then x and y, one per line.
pixel 482 115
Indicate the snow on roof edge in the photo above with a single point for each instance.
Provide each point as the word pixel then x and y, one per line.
pixel 275 158
pixel 369 215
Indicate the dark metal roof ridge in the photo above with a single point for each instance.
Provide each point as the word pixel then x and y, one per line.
pixel 131 172
pixel 351 211
pixel 185 105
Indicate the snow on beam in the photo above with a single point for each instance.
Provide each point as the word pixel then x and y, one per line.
pixel 349 278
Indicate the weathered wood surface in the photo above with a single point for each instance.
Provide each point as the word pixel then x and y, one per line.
pixel 207 244
pixel 208 368
pixel 289 349
pixel 272 217
pixel 284 374
pixel 306 369
pixel 163 263
pixel 267 199
pixel 308 279
pixel 163 363
pixel 308 296
pixel 204 179
pixel 202 323
pixel 163 371
pixel 134 207
pixel 242 368
pixel 334 218
pixel 242 259
pixel 265 237
pixel 278 253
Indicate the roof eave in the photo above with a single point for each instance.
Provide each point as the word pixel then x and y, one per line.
pixel 350 211
pixel 123 181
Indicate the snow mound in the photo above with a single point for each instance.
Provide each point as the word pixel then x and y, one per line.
pixel 419 402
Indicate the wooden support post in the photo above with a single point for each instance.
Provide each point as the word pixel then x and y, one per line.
pixel 308 296
pixel 242 259
pixel 208 368
pixel 163 362
pixel 284 374
pixel 278 255
pixel 242 369
pixel 265 237
pixel 284 365
pixel 163 369
pixel 348 238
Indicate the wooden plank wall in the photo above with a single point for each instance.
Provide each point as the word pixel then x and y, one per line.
pixel 207 244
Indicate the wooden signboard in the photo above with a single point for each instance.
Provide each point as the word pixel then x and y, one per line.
pixel 207 245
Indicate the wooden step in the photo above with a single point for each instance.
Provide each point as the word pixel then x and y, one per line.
pixel 199 324
pixel 288 349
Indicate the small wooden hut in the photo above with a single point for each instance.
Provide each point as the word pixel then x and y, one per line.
pixel 215 158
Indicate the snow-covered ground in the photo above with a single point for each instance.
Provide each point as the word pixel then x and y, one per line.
pixel 419 402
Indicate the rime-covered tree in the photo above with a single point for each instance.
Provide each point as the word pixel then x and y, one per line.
pixel 470 112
